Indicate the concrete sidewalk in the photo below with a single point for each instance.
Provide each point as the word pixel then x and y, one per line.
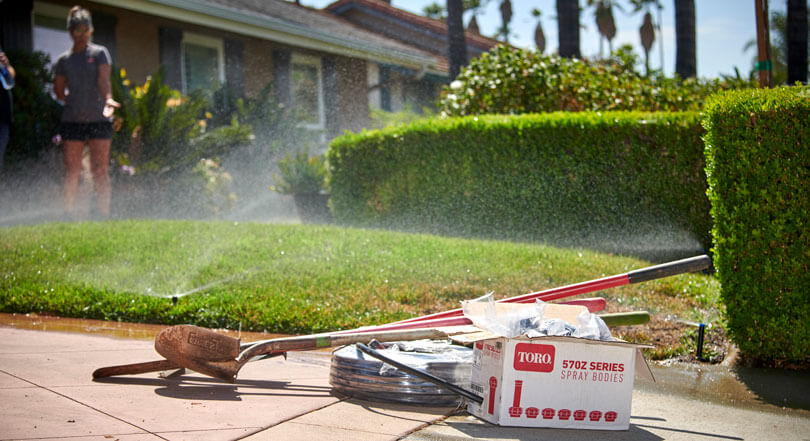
pixel 47 393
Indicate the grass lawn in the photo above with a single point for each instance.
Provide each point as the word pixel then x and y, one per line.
pixel 298 278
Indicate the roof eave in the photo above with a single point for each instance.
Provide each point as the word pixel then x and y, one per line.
pixel 268 28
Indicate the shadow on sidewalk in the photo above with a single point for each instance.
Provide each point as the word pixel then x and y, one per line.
pixel 199 388
pixel 780 387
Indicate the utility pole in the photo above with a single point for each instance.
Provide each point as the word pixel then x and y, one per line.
pixel 764 66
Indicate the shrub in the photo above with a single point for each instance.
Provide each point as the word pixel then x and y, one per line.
pixel 617 181
pixel 300 173
pixel 36 114
pixel 274 126
pixel 215 193
pixel 508 80
pixel 161 139
pixel 160 130
pixel 381 119
pixel 758 167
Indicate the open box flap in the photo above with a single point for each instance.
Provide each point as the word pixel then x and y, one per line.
pixel 642 367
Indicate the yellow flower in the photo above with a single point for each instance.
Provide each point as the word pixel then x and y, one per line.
pixel 123 73
pixel 208 115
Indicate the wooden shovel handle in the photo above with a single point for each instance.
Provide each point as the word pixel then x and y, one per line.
pixel 135 368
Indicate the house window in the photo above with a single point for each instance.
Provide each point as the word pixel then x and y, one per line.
pixel 306 90
pixel 203 62
pixel 50 34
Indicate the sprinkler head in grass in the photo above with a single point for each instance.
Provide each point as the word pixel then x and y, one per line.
pixel 174 300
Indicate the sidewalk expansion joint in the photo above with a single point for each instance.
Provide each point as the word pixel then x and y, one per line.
pixel 83 404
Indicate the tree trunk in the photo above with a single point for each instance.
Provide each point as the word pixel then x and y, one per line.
pixel 455 35
pixel 568 28
pixel 797 41
pixel 685 41
pixel 764 64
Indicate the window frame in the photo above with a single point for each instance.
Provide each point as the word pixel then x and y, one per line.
pixel 317 62
pixel 57 14
pixel 204 41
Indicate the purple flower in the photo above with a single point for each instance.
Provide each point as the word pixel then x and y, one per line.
pixel 57 139
pixel 127 170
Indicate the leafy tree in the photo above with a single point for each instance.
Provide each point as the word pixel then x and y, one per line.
pixel 434 10
pixel 508 80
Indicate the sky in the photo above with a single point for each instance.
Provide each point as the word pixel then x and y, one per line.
pixel 723 29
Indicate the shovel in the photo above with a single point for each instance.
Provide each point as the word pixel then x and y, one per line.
pixel 196 348
pixel 228 352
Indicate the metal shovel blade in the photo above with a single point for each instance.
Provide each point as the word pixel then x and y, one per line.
pixel 200 350
pixel 196 342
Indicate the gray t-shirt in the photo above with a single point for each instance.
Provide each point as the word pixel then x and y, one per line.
pixel 83 103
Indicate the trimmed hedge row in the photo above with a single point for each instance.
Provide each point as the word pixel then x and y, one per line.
pixel 758 167
pixel 618 181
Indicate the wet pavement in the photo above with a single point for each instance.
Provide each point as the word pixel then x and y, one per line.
pixel 47 393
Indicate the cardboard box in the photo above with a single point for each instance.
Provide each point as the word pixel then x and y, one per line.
pixel 560 382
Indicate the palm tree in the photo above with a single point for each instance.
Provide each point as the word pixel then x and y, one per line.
pixel 638 5
pixel 506 17
pixel 647 33
pixel 568 28
pixel 797 40
pixel 539 35
pixel 685 39
pixel 603 14
pixel 455 35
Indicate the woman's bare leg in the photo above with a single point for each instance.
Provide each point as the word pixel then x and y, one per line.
pixel 99 163
pixel 73 151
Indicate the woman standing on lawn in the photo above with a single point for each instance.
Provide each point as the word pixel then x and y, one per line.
pixel 82 82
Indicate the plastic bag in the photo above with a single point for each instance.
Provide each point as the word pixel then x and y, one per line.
pixel 508 320
pixel 512 320
pixel 592 326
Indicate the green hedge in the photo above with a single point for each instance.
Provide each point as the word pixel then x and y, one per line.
pixel 758 167
pixel 625 182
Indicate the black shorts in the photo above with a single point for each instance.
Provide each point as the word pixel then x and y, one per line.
pixel 71 131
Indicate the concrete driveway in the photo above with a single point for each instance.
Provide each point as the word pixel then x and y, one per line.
pixel 47 393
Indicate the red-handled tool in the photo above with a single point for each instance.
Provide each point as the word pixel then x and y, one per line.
pixel 689 265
